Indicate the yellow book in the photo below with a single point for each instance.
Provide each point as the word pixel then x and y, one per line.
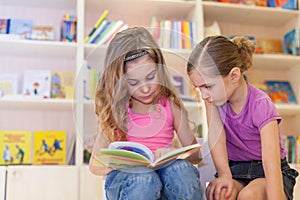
pixel 62 85
pixel 15 147
pixel 187 35
pixel 99 21
pixel 49 147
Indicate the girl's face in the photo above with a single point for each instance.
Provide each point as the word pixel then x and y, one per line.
pixel 214 89
pixel 142 79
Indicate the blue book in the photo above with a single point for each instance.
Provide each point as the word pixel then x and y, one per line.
pixel 289 43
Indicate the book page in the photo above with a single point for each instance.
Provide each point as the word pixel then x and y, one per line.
pixel 134 147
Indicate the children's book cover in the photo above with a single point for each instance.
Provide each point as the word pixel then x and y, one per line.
pixel 3 26
pixel 62 85
pixel 37 83
pixel 15 147
pixel 290 43
pixel 49 147
pixel 8 84
pixel 42 33
pixel 21 27
pixel 281 92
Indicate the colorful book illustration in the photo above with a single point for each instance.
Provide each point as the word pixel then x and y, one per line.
pixel 62 85
pixel 36 83
pixel 8 84
pixel 49 147
pixel 20 27
pixel 42 33
pixel 97 24
pixel 15 147
pixel 290 43
pixel 280 92
pixel 132 154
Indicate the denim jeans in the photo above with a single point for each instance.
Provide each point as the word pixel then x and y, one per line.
pixel 177 180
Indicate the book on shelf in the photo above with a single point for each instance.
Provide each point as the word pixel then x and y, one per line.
pixel 15 147
pixel 132 154
pixel 68 32
pixel 42 33
pixel 98 32
pixel 103 16
pixel 173 34
pixel 290 42
pixel 20 27
pixel 113 29
pixel 3 26
pixel 101 31
pixel 177 81
pixel 90 80
pixel 8 84
pixel 49 147
pixel 280 92
pixel 37 83
pixel 62 85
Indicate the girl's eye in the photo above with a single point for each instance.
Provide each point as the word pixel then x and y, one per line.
pixel 151 76
pixel 208 87
pixel 132 83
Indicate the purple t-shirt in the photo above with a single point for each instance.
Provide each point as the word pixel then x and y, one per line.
pixel 243 130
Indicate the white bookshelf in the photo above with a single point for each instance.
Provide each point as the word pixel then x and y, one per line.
pixel 18 55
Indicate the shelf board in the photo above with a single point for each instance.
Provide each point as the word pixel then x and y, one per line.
pixel 275 61
pixel 37 48
pixel 239 13
pixel 36 104
pixel 288 110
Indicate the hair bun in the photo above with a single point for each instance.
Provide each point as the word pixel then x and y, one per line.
pixel 246 49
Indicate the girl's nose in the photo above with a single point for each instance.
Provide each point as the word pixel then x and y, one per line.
pixel 145 88
pixel 204 94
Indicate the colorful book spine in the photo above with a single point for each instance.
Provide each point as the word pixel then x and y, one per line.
pixel 97 24
pixel 101 33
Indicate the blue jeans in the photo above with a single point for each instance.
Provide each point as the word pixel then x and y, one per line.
pixel 176 180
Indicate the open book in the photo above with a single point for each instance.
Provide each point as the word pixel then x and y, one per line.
pixel 132 154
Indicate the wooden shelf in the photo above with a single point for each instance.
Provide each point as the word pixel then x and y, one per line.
pixel 238 13
pixel 36 104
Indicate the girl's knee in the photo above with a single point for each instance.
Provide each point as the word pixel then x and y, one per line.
pixel 181 179
pixel 134 186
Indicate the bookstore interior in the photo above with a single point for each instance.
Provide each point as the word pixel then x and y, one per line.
pixel 52 54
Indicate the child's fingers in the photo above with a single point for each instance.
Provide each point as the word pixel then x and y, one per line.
pixel 229 191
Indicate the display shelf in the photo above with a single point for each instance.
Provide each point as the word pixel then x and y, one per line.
pixel 36 104
pixel 37 48
pixel 239 13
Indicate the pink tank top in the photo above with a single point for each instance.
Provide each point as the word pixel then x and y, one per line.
pixel 155 129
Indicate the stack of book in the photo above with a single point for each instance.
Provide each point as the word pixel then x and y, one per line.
pixel 104 30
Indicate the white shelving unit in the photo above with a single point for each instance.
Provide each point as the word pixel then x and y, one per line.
pixel 33 114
